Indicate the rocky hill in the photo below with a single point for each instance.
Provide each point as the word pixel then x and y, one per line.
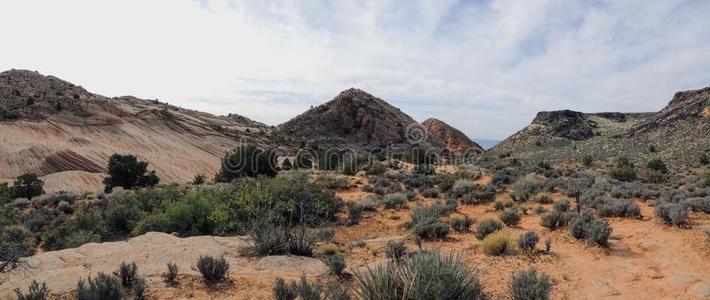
pixel 355 119
pixel 678 133
pixel 66 134
pixel 455 140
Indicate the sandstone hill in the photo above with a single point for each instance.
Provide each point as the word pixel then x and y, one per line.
pixel 66 134
pixel 456 141
pixel 678 133
pixel 356 119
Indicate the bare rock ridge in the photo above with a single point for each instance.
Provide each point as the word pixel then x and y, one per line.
pixel 53 128
pixel 454 140
pixel 354 118
pixel 679 132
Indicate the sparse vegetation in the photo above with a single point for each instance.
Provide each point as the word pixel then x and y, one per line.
pixel 527 241
pixel 213 270
pixel 486 227
pixel 426 275
pixel 527 285
pixel 395 250
pixel 36 291
pixel 498 243
pixel 461 224
pixel 170 275
pixel 672 214
pixel 102 287
pixel 510 217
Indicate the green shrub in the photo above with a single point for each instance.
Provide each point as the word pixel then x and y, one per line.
pixel 333 182
pixel 36 291
pixel 199 179
pixel 27 186
pixel 563 205
pixel 527 241
pixel 191 215
pixel 285 291
pixel 434 230
pixel 595 232
pixel 543 198
pixel 127 273
pixel 462 187
pixel 430 193
pixel 212 269
pixel 498 243
pixel 427 275
pixel 445 182
pixel 396 200
pixel 510 217
pixel 619 208
pixel 554 220
pixel 138 289
pixel 527 285
pixel 395 250
pixel 103 287
pixel 461 224
pixel 170 276
pixel 486 227
pixel 128 172
pixel 698 204
pixel 657 165
pixel 707 180
pixel 354 213
pixel 598 233
pixel 578 226
pixel 672 214
pixel 623 173
pixel 247 161
pixel 525 187
pixel 336 264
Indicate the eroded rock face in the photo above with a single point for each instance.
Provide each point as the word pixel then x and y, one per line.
pixel 568 124
pixel 353 118
pixel 456 141
pixel 52 127
pixel 687 107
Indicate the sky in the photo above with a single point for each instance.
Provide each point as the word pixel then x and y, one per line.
pixel 485 67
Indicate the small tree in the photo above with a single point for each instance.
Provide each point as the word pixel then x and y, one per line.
pixel 128 172
pixel 704 159
pixel 28 185
pixel 247 161
pixel 199 179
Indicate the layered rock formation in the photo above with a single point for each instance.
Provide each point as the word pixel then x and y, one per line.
pixel 456 141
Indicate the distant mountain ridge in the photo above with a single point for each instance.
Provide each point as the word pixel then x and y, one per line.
pixel 678 133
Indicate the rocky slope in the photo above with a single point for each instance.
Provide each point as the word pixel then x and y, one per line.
pixel 63 132
pixel 678 133
pixel 456 141
pixel 355 119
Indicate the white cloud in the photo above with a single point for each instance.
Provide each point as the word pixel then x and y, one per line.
pixel 485 66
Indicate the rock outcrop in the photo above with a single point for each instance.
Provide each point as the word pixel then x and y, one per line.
pixel 678 133
pixel 454 140
pixel 52 127
pixel 356 119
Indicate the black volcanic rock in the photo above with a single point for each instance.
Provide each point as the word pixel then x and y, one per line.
pixel 568 124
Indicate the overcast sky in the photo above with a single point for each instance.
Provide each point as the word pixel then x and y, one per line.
pixel 485 67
